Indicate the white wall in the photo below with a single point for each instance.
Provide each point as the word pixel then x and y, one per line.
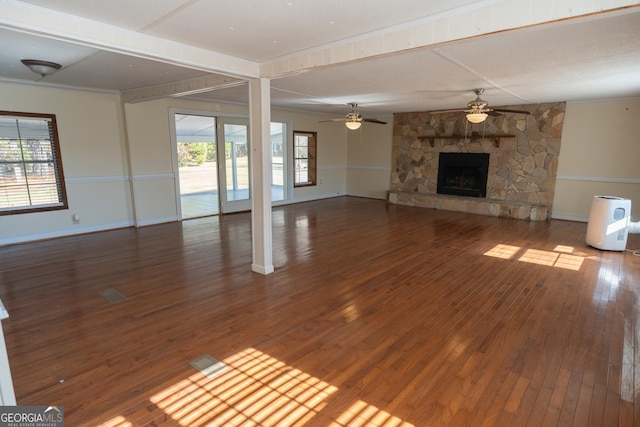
pixel 94 160
pixel 103 159
pixel 118 162
pixel 331 152
pixel 599 155
pixel 152 173
pixel 369 159
pixel 151 154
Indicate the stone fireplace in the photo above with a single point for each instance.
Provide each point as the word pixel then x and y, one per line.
pixel 463 174
pixel 522 152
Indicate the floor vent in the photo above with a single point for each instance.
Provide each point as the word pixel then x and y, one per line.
pixel 208 366
pixel 112 295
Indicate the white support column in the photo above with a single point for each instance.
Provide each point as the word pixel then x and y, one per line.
pixel 7 395
pixel 260 142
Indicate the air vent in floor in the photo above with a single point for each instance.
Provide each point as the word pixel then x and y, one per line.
pixel 112 295
pixel 208 366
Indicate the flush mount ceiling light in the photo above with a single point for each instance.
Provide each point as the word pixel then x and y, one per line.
pixel 43 68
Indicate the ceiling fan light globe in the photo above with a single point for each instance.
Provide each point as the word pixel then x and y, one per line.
pixel 477 117
pixel 353 125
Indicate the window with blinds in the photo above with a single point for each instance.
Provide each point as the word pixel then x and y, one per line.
pixel 304 158
pixel 31 177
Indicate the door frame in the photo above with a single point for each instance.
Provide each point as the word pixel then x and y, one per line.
pixel 220 118
pixel 174 150
pixel 287 162
pixel 230 206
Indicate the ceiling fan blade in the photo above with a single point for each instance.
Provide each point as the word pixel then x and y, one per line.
pixel 502 110
pixel 480 106
pixel 448 111
pixel 374 121
pixel 333 120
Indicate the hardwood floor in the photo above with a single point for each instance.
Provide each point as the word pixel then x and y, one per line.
pixel 376 315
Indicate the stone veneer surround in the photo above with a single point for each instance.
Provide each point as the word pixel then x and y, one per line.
pixel 522 169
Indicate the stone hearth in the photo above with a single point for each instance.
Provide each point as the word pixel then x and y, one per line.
pixel 522 168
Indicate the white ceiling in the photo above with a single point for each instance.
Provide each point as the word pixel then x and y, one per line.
pixel 591 57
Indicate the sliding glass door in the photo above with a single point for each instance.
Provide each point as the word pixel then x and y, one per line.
pixel 279 163
pixel 213 161
pixel 197 165
pixel 233 155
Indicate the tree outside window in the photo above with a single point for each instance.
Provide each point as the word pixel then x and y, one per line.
pixel 304 158
pixel 31 177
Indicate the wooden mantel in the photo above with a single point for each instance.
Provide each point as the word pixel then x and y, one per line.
pixel 474 136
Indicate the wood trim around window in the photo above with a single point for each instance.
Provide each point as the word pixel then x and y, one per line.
pixel 56 160
pixel 311 155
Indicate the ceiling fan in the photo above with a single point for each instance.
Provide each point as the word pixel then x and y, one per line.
pixel 478 109
pixel 354 120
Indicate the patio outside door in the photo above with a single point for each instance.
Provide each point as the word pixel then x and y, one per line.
pixel 233 157
pixel 197 165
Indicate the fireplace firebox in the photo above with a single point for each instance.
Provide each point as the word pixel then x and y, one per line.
pixel 463 174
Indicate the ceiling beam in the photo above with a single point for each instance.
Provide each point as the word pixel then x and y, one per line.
pixel 476 19
pixel 182 88
pixel 56 25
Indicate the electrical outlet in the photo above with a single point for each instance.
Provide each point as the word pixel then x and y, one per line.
pixel 75 218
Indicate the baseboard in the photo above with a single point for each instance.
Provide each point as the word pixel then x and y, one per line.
pixel 569 217
pixel 379 196
pixel 12 240
pixel 154 221
pixel 268 269
pixel 315 197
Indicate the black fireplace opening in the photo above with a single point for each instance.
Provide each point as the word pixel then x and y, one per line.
pixel 463 174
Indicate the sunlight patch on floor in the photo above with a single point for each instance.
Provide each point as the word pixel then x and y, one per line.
pixel 362 414
pixel 553 259
pixel 259 390
pixel 351 313
pixel 570 262
pixel 565 249
pixel 562 256
pixel 502 251
pixel 118 421
pixel 256 389
pixel 535 256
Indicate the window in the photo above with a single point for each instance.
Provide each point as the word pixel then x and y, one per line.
pixel 304 158
pixel 31 177
pixel 279 163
